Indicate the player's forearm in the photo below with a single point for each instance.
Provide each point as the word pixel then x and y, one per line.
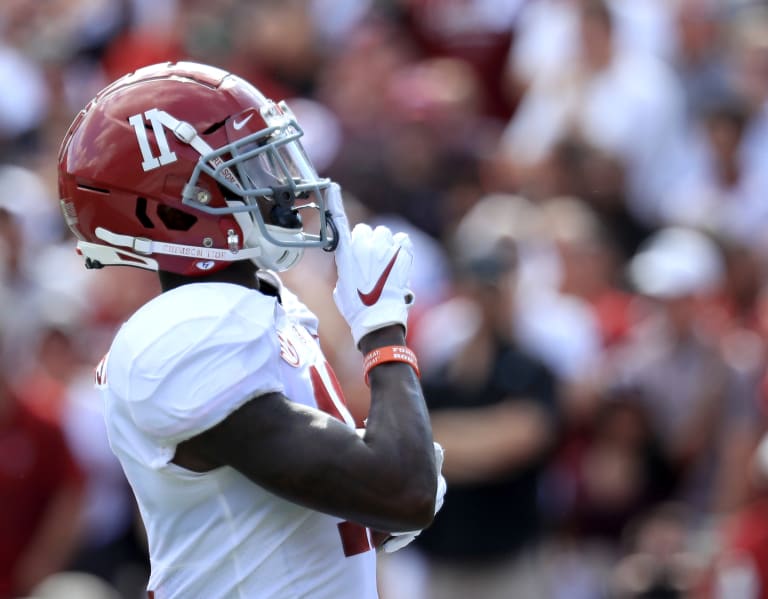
pixel 398 430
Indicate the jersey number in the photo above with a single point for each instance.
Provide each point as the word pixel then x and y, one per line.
pixel 149 161
pixel 329 398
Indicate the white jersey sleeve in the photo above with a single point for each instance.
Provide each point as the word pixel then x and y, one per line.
pixel 182 365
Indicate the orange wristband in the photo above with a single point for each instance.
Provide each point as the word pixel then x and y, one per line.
pixel 389 353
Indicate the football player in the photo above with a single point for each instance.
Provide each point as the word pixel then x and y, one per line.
pixel 251 475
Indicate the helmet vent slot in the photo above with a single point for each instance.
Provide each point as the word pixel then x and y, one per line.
pixel 175 219
pixel 92 188
pixel 214 127
pixel 141 213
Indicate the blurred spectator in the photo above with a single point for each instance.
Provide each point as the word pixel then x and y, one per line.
pixel 546 33
pixel 276 42
pixel 659 562
pixel 477 33
pixel 323 136
pixel 747 52
pixel 24 104
pixel 740 563
pixel 35 284
pixel 724 191
pixel 140 46
pixel 740 567
pixel 41 494
pixel 606 472
pixel 420 116
pixel 590 264
pixel 57 280
pixel 738 320
pixel 600 95
pixel 698 58
pixel 494 408
pixel 595 177
pixel 673 362
pixel 610 473
pixel 111 546
pixel 555 299
pixel 56 31
pixel 335 20
pixel 59 389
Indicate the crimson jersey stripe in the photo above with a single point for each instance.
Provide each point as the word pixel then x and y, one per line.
pixel 323 395
pixel 354 538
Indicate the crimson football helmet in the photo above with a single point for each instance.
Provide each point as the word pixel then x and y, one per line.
pixel 184 167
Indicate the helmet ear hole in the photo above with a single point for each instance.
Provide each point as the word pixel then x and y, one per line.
pixel 175 219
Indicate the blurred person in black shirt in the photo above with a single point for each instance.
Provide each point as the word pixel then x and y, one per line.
pixel 495 409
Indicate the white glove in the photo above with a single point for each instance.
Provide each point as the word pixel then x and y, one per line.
pixel 374 268
pixel 398 540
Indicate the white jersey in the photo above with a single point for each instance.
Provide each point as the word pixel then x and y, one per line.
pixel 179 366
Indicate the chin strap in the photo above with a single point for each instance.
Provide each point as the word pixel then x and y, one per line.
pixel 98 255
pixel 147 247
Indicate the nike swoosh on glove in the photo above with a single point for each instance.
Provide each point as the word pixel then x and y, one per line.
pixel 398 540
pixel 374 269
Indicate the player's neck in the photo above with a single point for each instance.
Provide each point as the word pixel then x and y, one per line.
pixel 238 273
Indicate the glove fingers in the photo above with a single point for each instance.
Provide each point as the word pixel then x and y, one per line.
pixel 361 232
pixel 439 456
pixel 403 240
pixel 398 541
pixel 442 486
pixel 405 263
pixel 382 235
pixel 335 206
pixel 382 243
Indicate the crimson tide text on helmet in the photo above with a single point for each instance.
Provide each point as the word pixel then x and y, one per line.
pixel 183 167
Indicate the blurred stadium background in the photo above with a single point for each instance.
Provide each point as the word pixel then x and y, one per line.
pixel 585 180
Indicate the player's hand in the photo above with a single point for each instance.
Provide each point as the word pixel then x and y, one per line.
pixel 398 540
pixel 374 268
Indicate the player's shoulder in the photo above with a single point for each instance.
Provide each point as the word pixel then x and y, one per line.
pixel 181 317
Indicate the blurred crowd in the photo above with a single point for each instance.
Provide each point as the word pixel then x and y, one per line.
pixel 586 186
